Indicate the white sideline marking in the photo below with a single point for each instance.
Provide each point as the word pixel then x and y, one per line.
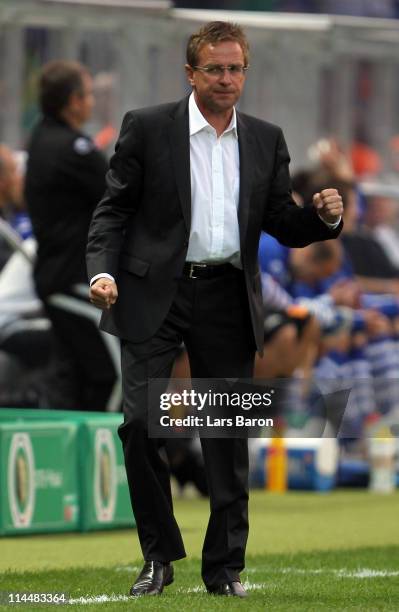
pixel 360 573
pixel 363 572
pixel 196 589
pixel 98 599
pixel 368 573
pixel 247 585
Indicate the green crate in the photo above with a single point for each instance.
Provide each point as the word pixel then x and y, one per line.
pixel 38 414
pixel 103 489
pixel 38 476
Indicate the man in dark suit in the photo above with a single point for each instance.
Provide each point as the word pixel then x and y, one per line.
pixel 190 187
pixel 64 181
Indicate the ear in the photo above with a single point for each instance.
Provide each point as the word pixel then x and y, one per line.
pixel 189 74
pixel 74 101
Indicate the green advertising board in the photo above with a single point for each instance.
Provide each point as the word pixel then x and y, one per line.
pixel 38 477
pixel 102 484
pixel 104 489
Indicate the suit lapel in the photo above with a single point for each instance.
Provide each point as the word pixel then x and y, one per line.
pixel 179 140
pixel 247 152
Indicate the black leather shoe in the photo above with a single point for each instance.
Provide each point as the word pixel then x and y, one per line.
pixel 152 579
pixel 234 589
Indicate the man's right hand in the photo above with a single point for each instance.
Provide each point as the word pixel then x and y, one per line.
pixel 103 293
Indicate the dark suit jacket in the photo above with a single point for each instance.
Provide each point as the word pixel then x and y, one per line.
pixel 140 229
pixel 64 181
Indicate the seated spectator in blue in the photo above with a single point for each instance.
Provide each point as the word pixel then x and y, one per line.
pixel 375 273
pixel 274 256
pixel 11 196
pixel 273 259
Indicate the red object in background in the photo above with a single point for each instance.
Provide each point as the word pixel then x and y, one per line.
pixel 68 513
pixel 365 160
pixel 105 137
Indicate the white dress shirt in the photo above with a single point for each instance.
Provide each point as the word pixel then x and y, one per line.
pixel 215 186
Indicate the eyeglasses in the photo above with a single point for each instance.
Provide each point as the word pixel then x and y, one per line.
pixel 216 70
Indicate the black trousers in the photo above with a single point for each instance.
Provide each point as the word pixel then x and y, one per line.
pixel 82 374
pixel 211 316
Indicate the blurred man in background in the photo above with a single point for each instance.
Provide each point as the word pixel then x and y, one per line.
pixel 65 179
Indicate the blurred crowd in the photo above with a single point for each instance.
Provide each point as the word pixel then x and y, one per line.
pixel 25 332
pixel 332 309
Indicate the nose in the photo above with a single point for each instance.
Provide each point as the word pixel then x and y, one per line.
pixel 225 77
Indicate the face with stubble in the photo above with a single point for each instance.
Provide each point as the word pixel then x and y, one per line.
pixel 217 91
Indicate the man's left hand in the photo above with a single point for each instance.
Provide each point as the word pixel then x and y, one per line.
pixel 328 204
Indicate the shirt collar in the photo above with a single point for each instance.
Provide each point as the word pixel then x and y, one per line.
pixel 198 121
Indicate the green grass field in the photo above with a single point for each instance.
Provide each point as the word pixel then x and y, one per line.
pixel 306 551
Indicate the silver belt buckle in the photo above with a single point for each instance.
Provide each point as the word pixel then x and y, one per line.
pixel 192 269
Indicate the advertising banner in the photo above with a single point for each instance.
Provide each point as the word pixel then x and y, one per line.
pixel 38 477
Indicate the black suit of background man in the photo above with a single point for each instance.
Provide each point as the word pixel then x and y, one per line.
pixel 140 235
pixel 64 180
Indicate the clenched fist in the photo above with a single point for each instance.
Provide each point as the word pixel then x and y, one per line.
pixel 328 204
pixel 103 293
